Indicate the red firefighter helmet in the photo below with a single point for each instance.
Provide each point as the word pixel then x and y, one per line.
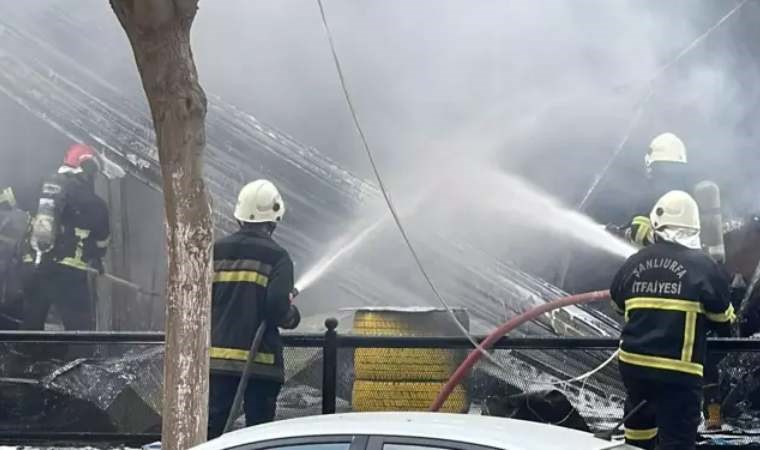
pixel 79 153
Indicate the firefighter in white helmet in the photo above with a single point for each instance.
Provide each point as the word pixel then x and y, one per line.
pixel 666 168
pixel 671 293
pixel 665 148
pixel 253 284
pixel 666 164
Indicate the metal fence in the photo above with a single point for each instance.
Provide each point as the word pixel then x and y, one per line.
pixel 323 371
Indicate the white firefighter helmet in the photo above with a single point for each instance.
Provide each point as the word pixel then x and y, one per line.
pixel 667 147
pixel 259 201
pixel 676 209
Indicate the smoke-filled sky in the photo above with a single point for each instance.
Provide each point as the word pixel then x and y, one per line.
pixel 448 90
pixel 544 89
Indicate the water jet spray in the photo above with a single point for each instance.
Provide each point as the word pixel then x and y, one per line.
pixel 342 247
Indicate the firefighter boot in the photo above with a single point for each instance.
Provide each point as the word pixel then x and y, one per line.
pixel 714 419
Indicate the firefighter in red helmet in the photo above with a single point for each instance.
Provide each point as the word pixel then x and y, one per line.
pixel 69 238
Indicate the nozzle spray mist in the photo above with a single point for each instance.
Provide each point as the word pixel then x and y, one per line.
pixel 340 248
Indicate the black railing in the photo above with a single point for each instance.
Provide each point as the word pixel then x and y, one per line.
pixel 330 367
pixel 355 341
pixel 83 337
pixel 330 342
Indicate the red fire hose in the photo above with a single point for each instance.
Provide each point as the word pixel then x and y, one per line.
pixel 474 356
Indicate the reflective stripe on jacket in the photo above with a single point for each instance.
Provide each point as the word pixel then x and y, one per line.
pixel 253 278
pixel 670 296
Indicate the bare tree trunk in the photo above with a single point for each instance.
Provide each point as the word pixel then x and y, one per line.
pixel 159 31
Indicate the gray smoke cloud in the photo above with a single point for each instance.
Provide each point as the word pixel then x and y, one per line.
pixel 545 91
pixel 541 90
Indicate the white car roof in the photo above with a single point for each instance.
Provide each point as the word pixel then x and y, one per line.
pixel 496 432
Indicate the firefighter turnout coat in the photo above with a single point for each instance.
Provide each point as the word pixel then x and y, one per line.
pixel 253 279
pixel 83 227
pixel 670 296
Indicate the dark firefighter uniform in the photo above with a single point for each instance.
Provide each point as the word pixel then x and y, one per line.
pixel 253 279
pixel 14 224
pixel 670 295
pixel 81 240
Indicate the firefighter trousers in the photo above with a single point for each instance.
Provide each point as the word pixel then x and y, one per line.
pixel 69 290
pixel 65 287
pixel 259 401
pixel 669 418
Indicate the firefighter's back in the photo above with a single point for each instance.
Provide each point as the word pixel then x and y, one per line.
pixel 670 294
pixel 243 264
pixel 84 222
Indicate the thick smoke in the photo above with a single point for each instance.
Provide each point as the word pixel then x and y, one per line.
pixel 544 91
pixel 448 88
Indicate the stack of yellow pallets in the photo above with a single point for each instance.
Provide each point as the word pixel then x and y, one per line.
pixel 405 379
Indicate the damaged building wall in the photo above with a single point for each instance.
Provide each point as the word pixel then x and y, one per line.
pixel 137 253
